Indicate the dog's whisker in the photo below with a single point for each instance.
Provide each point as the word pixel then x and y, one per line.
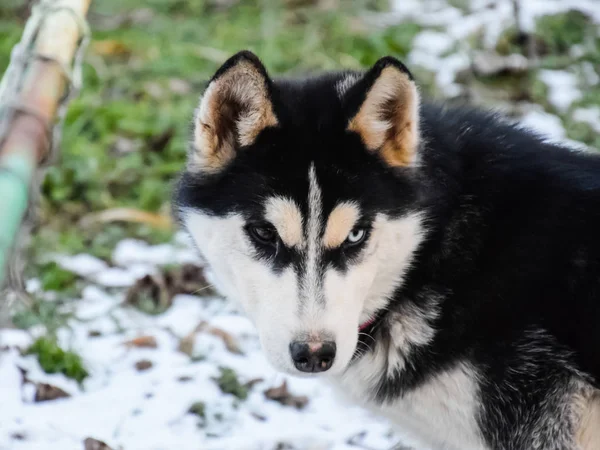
pixel 203 288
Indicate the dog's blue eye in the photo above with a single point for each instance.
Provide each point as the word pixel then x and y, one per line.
pixel 356 236
pixel 263 234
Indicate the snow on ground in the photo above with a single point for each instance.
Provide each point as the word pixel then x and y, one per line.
pixel 562 86
pixel 544 123
pixel 590 116
pixel 550 127
pixel 445 53
pixel 132 409
pixel 147 409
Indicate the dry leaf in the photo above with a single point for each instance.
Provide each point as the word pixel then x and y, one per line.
pixel 143 364
pixel 18 436
pixel 250 383
pixel 190 279
pixel 150 294
pixel 128 215
pixel 258 416
pixel 110 47
pixel 45 392
pixel 284 446
pixel 95 444
pixel 142 342
pixel 186 344
pixel 154 293
pixel 230 342
pixel 282 395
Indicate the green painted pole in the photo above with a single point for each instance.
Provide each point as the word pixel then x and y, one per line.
pixel 34 88
pixel 16 171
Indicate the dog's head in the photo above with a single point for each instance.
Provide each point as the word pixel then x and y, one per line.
pixel 301 195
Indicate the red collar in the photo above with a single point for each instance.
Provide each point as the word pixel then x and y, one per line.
pixel 366 324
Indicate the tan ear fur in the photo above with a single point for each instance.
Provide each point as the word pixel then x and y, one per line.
pixel 234 109
pixel 388 119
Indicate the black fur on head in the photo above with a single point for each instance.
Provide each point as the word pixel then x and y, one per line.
pixel 310 126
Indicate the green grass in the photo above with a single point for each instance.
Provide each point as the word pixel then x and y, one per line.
pixel 51 314
pixel 41 312
pixel 54 359
pixel 198 409
pixel 582 132
pixel 553 37
pixel 55 278
pixel 561 31
pixel 229 383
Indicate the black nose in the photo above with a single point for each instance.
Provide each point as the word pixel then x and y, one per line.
pixel 313 356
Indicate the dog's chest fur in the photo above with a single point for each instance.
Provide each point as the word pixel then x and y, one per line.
pixel 439 414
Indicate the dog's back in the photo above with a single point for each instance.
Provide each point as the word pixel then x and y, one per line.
pixel 517 231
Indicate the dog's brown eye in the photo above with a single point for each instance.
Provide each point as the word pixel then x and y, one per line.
pixel 263 234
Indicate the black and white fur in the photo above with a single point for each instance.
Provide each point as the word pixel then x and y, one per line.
pixel 464 248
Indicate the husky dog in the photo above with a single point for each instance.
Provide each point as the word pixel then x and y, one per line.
pixel 440 266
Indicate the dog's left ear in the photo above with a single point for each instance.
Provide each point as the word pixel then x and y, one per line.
pixel 235 108
pixel 383 109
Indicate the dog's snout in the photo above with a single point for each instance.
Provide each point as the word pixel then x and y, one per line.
pixel 313 356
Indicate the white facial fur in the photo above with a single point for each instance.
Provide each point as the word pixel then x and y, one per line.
pixel 285 306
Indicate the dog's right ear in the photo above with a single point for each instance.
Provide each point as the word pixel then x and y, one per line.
pixel 383 109
pixel 235 108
